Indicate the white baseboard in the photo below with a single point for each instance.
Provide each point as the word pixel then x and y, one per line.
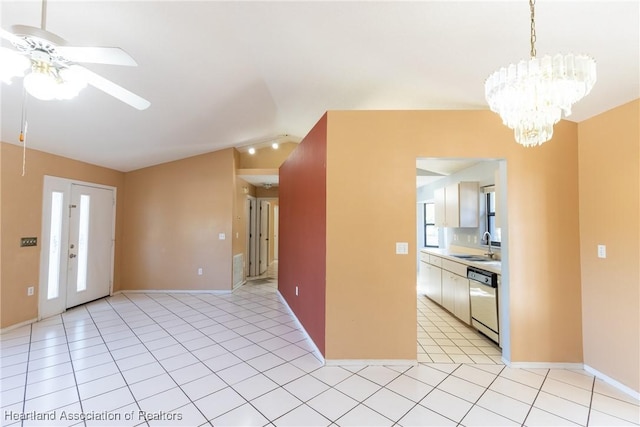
pixel 543 365
pixel 18 325
pixel 172 291
pixel 607 379
pixel 371 362
pixel 316 351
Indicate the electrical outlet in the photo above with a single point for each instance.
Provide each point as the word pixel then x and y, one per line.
pixel 296 291
pixel 222 236
pixel 602 251
pixel 475 240
pixel 200 271
pixel 30 291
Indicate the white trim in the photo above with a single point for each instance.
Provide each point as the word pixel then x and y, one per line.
pixel 371 362
pixel 172 291
pixel 18 325
pixel 544 365
pixel 316 351
pixel 607 379
pixel 579 366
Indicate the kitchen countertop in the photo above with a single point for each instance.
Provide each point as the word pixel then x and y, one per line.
pixel 493 266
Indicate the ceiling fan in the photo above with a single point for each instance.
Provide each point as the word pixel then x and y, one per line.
pixel 50 69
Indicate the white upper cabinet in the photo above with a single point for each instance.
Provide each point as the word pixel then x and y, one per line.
pixel 457 205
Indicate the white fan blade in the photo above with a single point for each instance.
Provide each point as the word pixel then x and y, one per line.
pixel 96 55
pixel 113 89
pixel 12 38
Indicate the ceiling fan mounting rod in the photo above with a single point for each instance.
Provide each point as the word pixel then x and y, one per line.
pixel 43 20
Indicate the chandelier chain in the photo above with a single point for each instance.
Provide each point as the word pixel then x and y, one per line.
pixel 532 7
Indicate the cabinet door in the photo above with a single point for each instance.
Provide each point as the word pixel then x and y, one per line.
pixel 452 206
pixel 462 301
pixel 434 283
pixel 423 277
pixel 468 204
pixel 439 207
pixel 448 291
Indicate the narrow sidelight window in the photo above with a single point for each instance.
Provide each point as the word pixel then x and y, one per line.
pixel 83 242
pixel 55 245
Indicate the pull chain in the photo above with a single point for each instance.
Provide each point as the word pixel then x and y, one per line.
pixel 532 5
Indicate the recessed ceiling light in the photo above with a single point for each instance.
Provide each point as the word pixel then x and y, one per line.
pixel 252 150
pixel 275 145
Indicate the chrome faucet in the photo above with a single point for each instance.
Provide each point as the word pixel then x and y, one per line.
pixel 487 235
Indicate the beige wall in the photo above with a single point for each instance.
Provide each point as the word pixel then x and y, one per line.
pixel 371 291
pixel 609 156
pixel 266 157
pixel 21 207
pixel 173 215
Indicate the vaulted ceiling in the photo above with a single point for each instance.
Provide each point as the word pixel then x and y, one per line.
pixel 222 74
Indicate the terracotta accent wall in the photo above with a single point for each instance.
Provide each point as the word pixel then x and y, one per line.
pixel 609 156
pixel 302 249
pixel 173 215
pixel 370 291
pixel 21 216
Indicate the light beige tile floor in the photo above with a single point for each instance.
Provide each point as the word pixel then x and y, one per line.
pixel 442 338
pixel 239 359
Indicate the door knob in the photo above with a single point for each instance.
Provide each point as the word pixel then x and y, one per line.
pixel 72 255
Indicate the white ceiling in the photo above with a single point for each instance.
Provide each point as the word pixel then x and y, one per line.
pixel 221 74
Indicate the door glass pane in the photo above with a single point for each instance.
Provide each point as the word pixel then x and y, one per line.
pixel 55 243
pixel 83 242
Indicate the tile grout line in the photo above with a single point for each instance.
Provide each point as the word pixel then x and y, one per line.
pixel 213 372
pixel 26 374
pixel 73 369
pixel 135 400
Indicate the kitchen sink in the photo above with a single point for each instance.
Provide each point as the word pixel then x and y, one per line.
pixel 474 258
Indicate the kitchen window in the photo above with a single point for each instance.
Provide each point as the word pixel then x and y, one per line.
pixel 430 229
pixel 491 219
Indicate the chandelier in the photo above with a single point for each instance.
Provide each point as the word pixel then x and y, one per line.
pixel 533 95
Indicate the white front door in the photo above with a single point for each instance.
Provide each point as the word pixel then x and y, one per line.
pixel 90 244
pixel 78 223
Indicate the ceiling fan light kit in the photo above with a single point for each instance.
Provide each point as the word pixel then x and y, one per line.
pixel 533 95
pixel 49 67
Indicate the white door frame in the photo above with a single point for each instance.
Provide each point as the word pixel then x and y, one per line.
pixel 276 225
pixel 252 232
pixel 53 184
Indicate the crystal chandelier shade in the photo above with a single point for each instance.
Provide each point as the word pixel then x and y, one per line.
pixel 533 95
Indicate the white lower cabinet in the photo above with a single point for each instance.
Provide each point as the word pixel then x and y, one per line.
pixel 449 291
pixel 434 283
pixel 455 290
pixel 462 305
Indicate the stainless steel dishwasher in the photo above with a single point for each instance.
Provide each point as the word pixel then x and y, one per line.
pixel 483 286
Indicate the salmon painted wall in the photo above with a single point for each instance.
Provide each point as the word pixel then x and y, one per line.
pixel 302 250
pixel 609 154
pixel 266 157
pixel 21 206
pixel 173 215
pixel 370 291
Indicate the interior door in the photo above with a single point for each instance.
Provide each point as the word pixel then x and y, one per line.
pixel 252 241
pixel 90 242
pixel 264 236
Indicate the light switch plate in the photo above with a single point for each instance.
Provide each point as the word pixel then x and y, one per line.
pixel 402 248
pixel 602 251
